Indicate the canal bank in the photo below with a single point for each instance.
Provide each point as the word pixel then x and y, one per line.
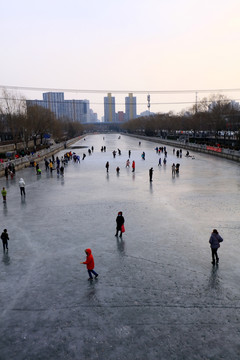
pixel 210 150
pixel 26 160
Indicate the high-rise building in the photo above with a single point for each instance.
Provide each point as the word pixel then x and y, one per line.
pixel 109 108
pixel 130 107
pixel 55 101
pixel 75 110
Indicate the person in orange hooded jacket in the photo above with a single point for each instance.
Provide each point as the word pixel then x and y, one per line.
pixel 90 264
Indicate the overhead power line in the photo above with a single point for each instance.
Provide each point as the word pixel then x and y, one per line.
pixel 117 103
pixel 88 91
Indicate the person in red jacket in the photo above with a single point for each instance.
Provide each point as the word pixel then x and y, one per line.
pixel 90 264
pixel 133 166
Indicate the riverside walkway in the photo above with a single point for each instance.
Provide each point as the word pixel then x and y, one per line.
pixel 157 295
pixel 25 161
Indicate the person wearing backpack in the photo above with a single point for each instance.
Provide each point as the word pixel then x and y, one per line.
pixel 215 240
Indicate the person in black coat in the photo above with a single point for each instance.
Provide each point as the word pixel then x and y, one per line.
pixel 5 239
pixel 150 174
pixel 214 241
pixel 120 222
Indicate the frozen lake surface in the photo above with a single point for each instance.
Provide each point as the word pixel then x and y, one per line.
pixel 158 295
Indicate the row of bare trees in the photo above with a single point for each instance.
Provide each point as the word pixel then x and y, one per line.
pixel 214 114
pixel 25 123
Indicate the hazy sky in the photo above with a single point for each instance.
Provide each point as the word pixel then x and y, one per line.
pixel 121 45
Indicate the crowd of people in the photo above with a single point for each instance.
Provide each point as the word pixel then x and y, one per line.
pixel 59 164
pixel 159 151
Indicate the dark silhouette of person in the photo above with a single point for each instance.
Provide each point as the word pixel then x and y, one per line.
pixel 214 242
pixel 150 174
pixel 5 239
pixel 120 222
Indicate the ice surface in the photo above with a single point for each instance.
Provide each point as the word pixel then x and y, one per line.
pixel 157 295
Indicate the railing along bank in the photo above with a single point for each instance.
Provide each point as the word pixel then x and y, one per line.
pixel 26 160
pixel 211 150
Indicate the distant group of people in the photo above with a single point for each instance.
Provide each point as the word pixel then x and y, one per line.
pixel 9 171
pixel 159 150
pixel 175 169
pixel 57 164
pixel 115 153
pixel 178 152
pixel 107 165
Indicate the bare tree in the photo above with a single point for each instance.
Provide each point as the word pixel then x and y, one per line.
pixel 13 108
pixel 40 121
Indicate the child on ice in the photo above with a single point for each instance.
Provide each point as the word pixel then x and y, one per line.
pixel 90 264
pixel 4 194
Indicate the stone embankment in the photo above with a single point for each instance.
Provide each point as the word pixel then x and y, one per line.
pixel 210 150
pixel 38 156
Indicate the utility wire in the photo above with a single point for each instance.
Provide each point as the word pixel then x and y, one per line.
pixel 189 91
pixel 71 102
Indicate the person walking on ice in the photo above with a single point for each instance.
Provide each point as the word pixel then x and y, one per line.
pixel 177 168
pixel 22 186
pixel 120 224
pixel 62 170
pixel 133 166
pixel 51 166
pixel 150 174
pixel 90 264
pixel 4 194
pixel 5 239
pixel 107 166
pixel 214 241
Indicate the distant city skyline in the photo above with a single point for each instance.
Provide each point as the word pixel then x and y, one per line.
pixel 79 110
pixel 185 99
pixel 110 114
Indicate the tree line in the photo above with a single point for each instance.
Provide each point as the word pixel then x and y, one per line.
pixel 22 123
pixel 213 114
